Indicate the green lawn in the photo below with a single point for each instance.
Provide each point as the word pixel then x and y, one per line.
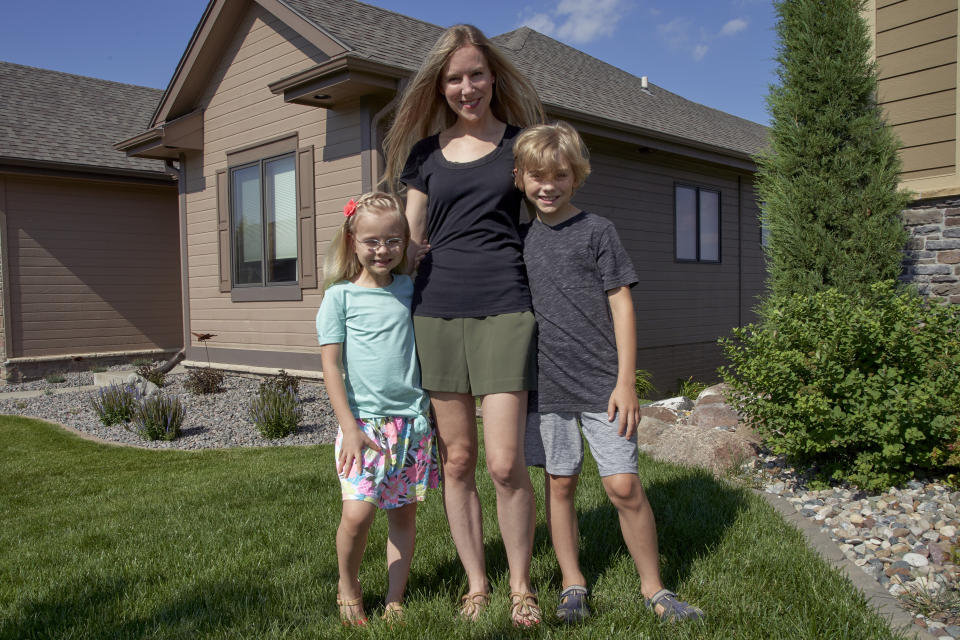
pixel 110 542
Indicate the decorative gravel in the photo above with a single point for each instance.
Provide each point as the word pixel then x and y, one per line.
pixel 212 421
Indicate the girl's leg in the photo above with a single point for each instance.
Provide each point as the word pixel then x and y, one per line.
pixel 559 495
pixel 355 521
pixel 457 445
pixel 638 527
pixel 504 419
pixel 401 538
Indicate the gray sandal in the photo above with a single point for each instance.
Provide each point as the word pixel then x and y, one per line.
pixel 573 604
pixel 673 609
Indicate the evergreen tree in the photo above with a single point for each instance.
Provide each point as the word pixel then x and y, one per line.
pixel 828 181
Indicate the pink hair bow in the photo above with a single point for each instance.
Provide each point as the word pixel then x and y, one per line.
pixel 350 208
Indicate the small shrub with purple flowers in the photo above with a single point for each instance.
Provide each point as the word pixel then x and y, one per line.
pixel 114 404
pixel 159 417
pixel 275 410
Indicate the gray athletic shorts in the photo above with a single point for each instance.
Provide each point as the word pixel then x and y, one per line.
pixel 553 442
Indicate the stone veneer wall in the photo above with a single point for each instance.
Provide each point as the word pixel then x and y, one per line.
pixel 932 261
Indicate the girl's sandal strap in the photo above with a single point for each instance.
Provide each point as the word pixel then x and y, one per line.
pixel 525 609
pixel 345 617
pixel 473 604
pixel 393 612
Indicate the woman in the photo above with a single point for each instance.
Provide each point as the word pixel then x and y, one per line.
pixel 474 326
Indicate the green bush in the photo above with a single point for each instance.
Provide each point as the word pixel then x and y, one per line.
pixel 158 417
pixel 643 384
pixel 202 381
pixel 114 404
pixel 55 378
pixel 275 411
pixel 690 388
pixel 865 389
pixel 151 373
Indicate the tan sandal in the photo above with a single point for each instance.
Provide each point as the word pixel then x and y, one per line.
pixel 348 617
pixel 393 612
pixel 473 604
pixel 525 609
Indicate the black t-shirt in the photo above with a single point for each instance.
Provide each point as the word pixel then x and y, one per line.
pixel 571 267
pixel 475 264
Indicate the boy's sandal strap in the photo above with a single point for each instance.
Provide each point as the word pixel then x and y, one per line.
pixel 673 609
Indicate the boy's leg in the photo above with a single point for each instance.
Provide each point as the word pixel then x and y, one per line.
pixel 355 521
pixel 457 444
pixel 559 500
pixel 401 539
pixel 504 417
pixel 638 526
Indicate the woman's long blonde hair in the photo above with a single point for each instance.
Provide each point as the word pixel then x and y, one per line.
pixel 423 110
pixel 341 261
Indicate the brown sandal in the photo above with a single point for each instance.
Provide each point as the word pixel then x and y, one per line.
pixel 393 612
pixel 524 609
pixel 473 604
pixel 347 618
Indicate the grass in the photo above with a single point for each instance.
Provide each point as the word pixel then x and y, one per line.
pixel 110 542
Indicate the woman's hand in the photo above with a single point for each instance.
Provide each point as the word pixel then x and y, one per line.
pixel 352 443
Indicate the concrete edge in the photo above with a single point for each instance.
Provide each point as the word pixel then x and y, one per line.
pixel 885 604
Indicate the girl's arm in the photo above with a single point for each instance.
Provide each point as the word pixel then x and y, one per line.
pixel 354 439
pixel 416 211
pixel 624 396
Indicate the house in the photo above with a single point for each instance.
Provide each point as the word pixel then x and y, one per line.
pixel 275 117
pixel 89 241
pixel 916 49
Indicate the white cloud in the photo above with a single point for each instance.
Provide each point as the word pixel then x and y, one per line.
pixel 699 51
pixel 579 21
pixel 676 33
pixel 733 27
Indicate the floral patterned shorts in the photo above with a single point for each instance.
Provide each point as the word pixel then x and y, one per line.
pixel 402 473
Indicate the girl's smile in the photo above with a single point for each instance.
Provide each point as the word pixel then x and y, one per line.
pixel 378 242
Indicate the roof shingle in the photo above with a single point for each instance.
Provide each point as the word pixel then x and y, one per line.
pixel 57 117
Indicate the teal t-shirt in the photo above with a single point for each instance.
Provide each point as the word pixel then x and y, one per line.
pixel 382 374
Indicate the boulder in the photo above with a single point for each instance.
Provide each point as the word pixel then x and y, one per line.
pixel 651 430
pixel 714 416
pixel 677 404
pixel 144 387
pixel 660 413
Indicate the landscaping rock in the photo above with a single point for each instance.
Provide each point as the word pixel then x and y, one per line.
pixel 677 404
pixel 660 413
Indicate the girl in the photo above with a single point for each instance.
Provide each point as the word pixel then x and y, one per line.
pixel 465 106
pixel 384 448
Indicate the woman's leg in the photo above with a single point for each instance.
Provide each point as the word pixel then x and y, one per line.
pixel 504 419
pixel 457 445
pixel 401 539
pixel 355 521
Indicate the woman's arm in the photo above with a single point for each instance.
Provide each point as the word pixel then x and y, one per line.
pixel 624 396
pixel 417 219
pixel 354 439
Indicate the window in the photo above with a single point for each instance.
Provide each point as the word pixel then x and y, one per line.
pixel 266 227
pixel 697 224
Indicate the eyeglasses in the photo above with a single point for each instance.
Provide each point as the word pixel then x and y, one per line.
pixel 372 244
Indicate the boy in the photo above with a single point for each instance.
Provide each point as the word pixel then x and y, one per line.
pixel 580 279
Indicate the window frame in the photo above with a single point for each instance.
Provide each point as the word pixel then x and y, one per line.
pixel 676 231
pixel 258 155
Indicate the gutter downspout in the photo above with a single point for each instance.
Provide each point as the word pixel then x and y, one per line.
pixel 179 172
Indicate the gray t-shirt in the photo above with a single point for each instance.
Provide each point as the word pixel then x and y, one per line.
pixel 570 267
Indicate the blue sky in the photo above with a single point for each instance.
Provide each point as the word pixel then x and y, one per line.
pixel 715 52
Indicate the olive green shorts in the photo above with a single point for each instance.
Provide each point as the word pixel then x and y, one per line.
pixel 492 354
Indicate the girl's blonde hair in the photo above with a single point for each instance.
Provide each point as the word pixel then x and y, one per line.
pixel 423 110
pixel 341 261
pixel 545 147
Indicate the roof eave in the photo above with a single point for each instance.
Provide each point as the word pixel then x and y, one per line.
pixel 338 81
pixel 168 140
pixel 657 140
pixel 73 170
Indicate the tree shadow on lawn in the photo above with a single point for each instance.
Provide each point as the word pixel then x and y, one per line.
pixel 101 608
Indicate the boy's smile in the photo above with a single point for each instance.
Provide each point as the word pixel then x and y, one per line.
pixel 550 191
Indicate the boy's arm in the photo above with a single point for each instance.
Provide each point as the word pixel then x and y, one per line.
pixel 416 211
pixel 354 439
pixel 624 396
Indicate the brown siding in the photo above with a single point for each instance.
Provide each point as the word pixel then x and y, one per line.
pixel 916 43
pixel 94 267
pixel 682 308
pixel 240 111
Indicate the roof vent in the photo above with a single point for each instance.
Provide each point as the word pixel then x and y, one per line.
pixel 644 84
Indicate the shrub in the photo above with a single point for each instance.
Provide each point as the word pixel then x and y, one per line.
pixel 690 388
pixel 275 411
pixel 281 382
pixel 201 381
pixel 864 388
pixel 158 417
pixel 114 404
pixel 141 362
pixel 643 384
pixel 151 373
pixel 55 378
